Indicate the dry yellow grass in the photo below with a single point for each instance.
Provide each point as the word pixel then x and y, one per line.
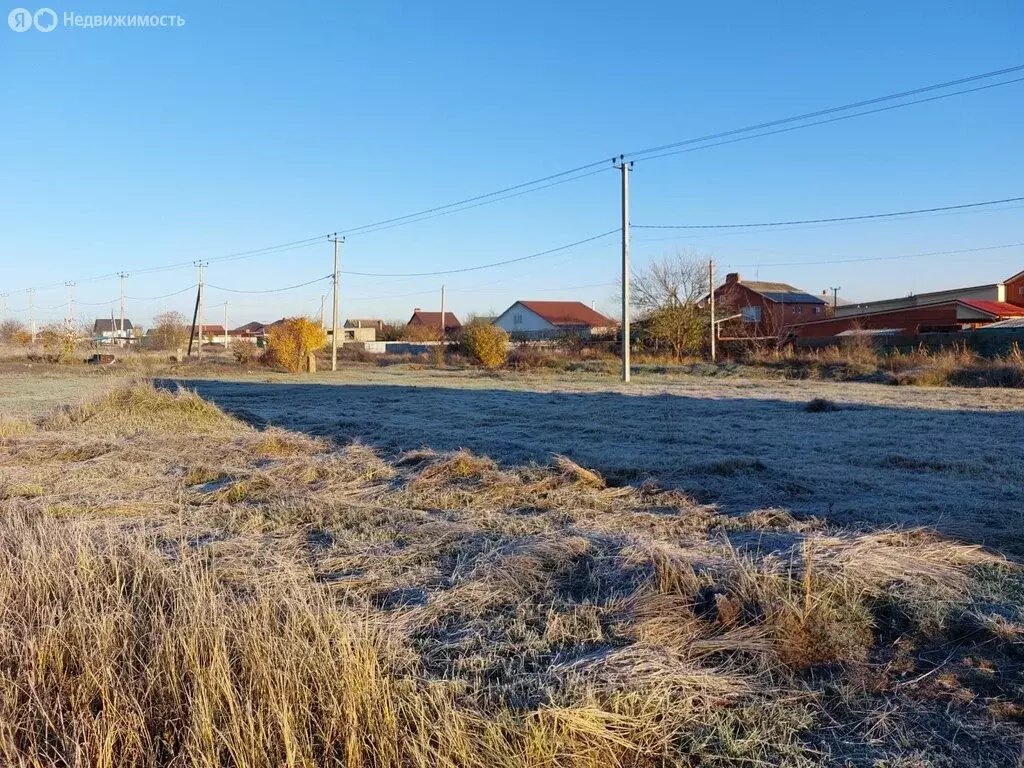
pixel 186 590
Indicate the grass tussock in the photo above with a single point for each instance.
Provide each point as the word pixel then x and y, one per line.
pixel 223 596
pixel 143 408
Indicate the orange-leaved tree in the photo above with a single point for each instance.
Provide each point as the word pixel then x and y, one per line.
pixel 290 341
pixel 487 344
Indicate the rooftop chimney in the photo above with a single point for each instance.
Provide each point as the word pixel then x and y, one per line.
pixel 417 309
pixel 732 277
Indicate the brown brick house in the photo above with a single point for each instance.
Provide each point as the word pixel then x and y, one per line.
pixel 764 309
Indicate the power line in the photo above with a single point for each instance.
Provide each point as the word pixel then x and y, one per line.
pixel 829 220
pixel 512 188
pixel 590 168
pixel 882 258
pixel 273 290
pixel 832 119
pixel 477 205
pixel 486 266
pixel 829 111
pixel 165 296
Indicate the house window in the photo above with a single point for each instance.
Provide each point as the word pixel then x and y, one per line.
pixel 517 318
pixel 751 314
pixel 1021 290
pixel 817 310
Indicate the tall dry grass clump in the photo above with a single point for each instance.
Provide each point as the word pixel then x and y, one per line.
pixel 142 408
pixel 114 656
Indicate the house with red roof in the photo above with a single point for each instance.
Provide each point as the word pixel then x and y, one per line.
pixel 432 321
pixel 552 319
pixel 955 309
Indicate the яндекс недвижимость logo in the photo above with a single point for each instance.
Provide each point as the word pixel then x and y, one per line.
pixel 22 20
pixel 46 20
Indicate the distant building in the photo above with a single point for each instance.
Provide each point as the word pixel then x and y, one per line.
pixel 552 319
pixel 212 334
pixel 421 319
pixel 109 331
pixel 762 309
pixel 252 330
pixel 362 329
pixel 951 310
pixel 361 322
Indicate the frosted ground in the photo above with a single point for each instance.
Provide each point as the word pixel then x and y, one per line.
pixel 948 458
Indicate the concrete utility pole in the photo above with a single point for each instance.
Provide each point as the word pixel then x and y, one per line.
pixel 625 168
pixel 121 332
pixel 32 313
pixel 199 308
pixel 71 303
pixel 835 296
pixel 227 336
pixel 442 315
pixel 711 293
pixel 334 322
pixel 323 299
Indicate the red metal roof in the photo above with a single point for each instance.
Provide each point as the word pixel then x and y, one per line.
pixel 574 313
pixel 433 319
pixel 997 309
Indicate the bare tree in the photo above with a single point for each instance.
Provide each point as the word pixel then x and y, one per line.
pixel 679 280
pixel 13 331
pixel 670 296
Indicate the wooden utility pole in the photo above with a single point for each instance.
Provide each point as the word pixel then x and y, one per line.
pixel 711 283
pixel 323 299
pixel 334 322
pixel 442 315
pixel 32 313
pixel 192 328
pixel 625 168
pixel 835 297
pixel 122 275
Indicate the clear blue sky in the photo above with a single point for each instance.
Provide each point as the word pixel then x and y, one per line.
pixel 259 123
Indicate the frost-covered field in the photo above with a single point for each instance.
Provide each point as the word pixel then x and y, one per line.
pixel 949 458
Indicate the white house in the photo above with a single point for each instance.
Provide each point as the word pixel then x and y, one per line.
pixel 551 319
pixel 110 331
